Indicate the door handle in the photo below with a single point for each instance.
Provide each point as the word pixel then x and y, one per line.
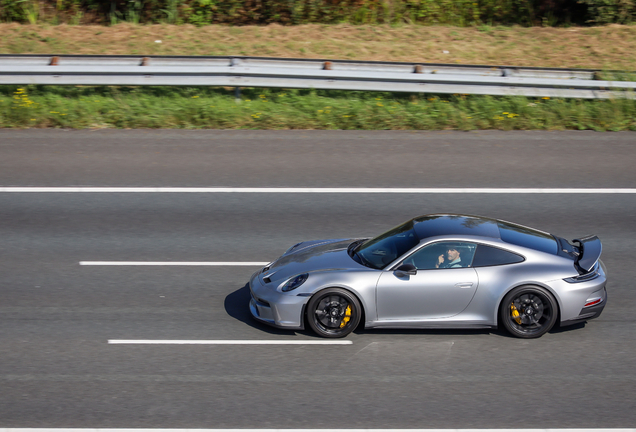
pixel 464 284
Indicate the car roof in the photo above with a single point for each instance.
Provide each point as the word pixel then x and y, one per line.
pixel 455 224
pixel 459 225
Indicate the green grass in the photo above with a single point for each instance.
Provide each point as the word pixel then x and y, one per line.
pixel 194 107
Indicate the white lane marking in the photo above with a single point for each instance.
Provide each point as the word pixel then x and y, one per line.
pixel 227 342
pixel 172 263
pixel 322 190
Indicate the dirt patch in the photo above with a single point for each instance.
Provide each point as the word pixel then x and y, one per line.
pixel 609 47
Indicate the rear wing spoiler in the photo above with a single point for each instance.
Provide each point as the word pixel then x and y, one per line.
pixel 590 249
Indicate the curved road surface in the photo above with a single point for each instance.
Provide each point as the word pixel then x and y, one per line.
pixel 57 368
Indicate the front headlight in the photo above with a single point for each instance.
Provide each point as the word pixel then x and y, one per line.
pixel 295 282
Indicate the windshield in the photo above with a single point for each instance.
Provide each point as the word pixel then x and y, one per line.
pixel 380 251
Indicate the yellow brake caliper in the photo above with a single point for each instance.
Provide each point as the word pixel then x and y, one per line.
pixel 347 317
pixel 515 313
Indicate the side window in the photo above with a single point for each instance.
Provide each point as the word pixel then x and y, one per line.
pixel 492 256
pixel 443 255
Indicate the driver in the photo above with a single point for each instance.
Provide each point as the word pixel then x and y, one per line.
pixel 451 260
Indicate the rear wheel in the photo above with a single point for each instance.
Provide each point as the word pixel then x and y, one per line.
pixel 528 311
pixel 333 313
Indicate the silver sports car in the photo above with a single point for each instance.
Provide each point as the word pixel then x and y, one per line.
pixel 434 271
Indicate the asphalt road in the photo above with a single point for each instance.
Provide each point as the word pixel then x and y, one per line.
pixel 57 369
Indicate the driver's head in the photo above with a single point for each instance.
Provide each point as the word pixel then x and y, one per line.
pixel 452 253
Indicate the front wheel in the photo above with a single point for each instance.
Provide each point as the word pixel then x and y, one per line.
pixel 528 312
pixel 333 313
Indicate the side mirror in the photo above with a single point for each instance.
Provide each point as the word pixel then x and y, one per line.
pixel 405 270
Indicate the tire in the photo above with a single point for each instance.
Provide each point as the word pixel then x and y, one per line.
pixel 333 313
pixel 528 311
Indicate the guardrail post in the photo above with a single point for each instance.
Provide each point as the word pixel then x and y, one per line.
pixel 327 65
pixel 145 61
pixel 54 61
pixel 237 90
pixel 417 69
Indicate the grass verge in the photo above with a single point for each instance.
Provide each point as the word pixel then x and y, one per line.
pixel 214 108
pixel 608 47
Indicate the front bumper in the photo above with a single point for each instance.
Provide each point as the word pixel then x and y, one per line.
pixel 275 308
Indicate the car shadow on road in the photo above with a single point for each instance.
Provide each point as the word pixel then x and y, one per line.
pixel 450 332
pixel 558 329
pixel 447 332
pixel 492 331
pixel 554 330
pixel 237 306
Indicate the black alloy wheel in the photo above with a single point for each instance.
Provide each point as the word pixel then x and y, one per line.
pixel 528 312
pixel 333 313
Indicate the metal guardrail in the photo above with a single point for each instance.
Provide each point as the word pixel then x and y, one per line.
pixel 309 73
